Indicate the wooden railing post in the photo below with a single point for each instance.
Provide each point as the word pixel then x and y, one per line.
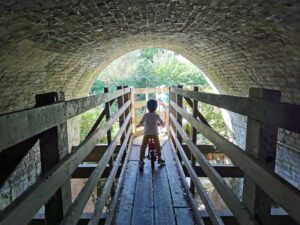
pixel 53 147
pixel 194 137
pixel 261 142
pixel 179 101
pixel 127 111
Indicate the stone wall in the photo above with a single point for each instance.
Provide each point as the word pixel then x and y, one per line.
pixel 48 46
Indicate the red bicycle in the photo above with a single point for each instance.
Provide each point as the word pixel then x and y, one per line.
pixel 152 153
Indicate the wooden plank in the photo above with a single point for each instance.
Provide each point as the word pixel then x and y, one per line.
pixel 145 90
pixel 142 215
pixel 186 187
pixel 139 104
pixel 241 213
pixel 142 212
pixel 282 192
pixel 21 125
pixel 19 212
pixel 205 149
pixel 184 216
pixel 144 190
pixel 261 142
pixel 53 148
pixel 163 213
pixel 126 198
pixel 109 184
pixel 278 114
pixel 135 153
pixel 97 152
pixel 225 170
pixel 39 219
pixel 77 106
pixel 216 219
pixel 75 210
pixel 85 170
pixel 115 200
pixel 178 196
pixel 277 218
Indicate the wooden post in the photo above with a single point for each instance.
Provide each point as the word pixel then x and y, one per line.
pixel 53 147
pixel 133 111
pixel 126 99
pixel 121 119
pixel 261 142
pixel 108 135
pixel 194 137
pixel 179 118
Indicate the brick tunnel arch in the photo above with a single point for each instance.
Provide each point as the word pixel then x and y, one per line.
pixel 62 46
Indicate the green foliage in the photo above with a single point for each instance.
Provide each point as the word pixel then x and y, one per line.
pixel 153 67
pixel 149 67
pixel 87 120
pixel 97 87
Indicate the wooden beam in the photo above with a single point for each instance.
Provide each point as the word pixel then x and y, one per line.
pixel 139 104
pixel 108 185
pixel 205 149
pixel 278 217
pixel 282 192
pixel 145 90
pixel 278 114
pixel 261 142
pixel 115 198
pixel 196 111
pixel 18 126
pixel 224 170
pixel 97 153
pixel 216 220
pixel 53 148
pixel 39 219
pixel 241 213
pixel 75 210
pixel 22 209
pixel 85 170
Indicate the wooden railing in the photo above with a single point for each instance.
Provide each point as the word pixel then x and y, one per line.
pixel 262 186
pixel 141 104
pixel 46 122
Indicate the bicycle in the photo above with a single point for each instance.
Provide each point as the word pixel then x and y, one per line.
pixel 152 153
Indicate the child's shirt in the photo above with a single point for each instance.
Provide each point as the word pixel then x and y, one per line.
pixel 150 122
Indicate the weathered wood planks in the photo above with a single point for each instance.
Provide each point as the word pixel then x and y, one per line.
pixel 278 114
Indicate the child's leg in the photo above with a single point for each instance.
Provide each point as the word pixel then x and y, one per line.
pixel 143 147
pixel 157 143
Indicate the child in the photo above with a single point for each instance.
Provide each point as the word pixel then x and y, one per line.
pixel 150 121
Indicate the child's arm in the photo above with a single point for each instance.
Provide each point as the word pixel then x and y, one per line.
pixel 160 121
pixel 141 122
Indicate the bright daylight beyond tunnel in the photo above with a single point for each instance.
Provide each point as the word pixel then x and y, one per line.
pixel 153 68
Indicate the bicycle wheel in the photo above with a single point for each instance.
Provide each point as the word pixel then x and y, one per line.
pixel 152 157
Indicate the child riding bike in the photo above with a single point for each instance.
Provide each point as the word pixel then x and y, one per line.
pixel 150 121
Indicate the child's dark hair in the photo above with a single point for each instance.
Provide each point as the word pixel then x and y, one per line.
pixel 152 105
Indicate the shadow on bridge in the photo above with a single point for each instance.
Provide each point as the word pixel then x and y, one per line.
pixel 161 197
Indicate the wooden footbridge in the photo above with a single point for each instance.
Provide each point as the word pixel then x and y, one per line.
pixel 168 194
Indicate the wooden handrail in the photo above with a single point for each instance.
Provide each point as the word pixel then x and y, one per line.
pixel 282 192
pixel 242 214
pixel 18 212
pixel 21 125
pixel 105 191
pixel 215 218
pixel 279 114
pixel 75 210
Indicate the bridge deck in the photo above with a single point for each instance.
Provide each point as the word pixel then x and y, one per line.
pixel 153 198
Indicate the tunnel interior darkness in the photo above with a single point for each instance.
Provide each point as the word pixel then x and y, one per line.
pixel 48 46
